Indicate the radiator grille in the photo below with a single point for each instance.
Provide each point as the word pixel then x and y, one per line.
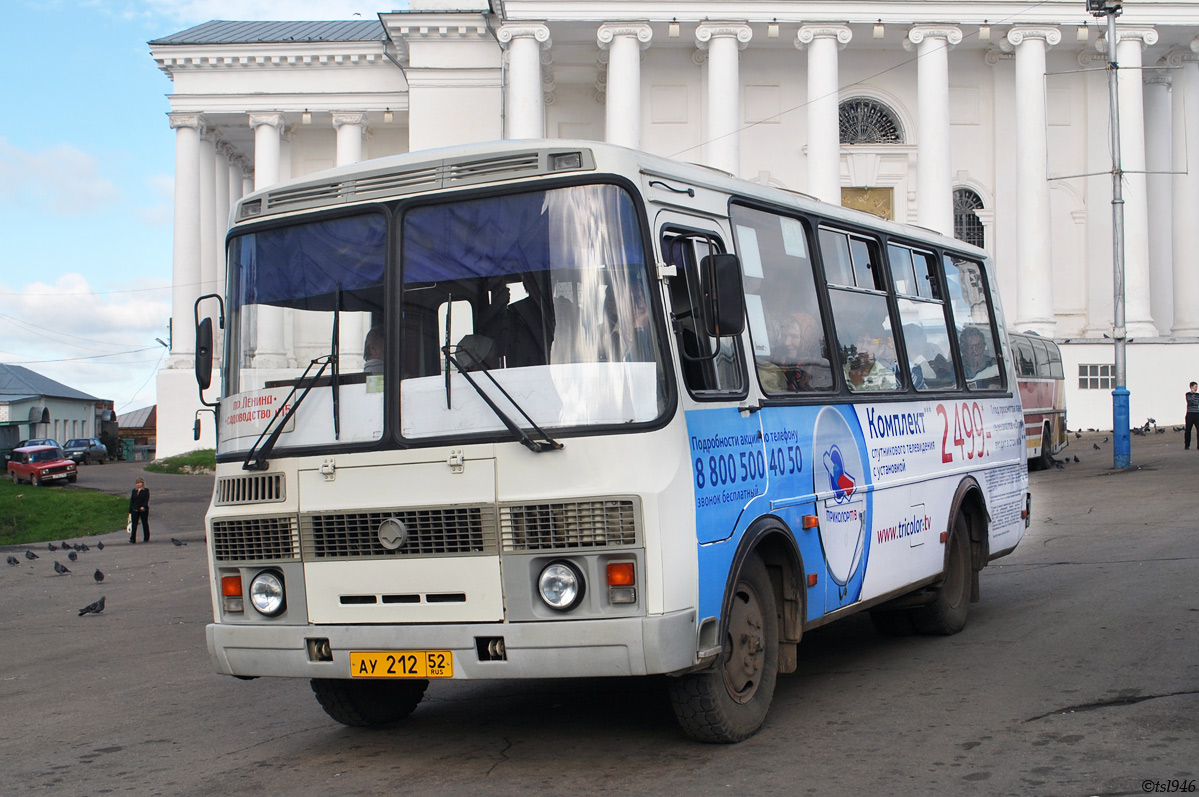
pixel 255 539
pixel 258 488
pixel 431 532
pixel 572 524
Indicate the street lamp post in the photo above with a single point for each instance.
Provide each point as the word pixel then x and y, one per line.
pixel 1121 432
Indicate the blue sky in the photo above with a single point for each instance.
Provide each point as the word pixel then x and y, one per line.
pixel 86 179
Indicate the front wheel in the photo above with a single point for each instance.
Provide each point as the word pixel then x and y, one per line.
pixel 946 615
pixel 368 704
pixel 35 481
pixel 728 703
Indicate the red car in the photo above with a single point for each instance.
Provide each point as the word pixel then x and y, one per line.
pixel 40 465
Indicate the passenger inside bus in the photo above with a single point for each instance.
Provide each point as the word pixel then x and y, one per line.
pixel 530 323
pixel 797 362
pixel 871 363
pixel 930 368
pixel 977 360
pixel 372 350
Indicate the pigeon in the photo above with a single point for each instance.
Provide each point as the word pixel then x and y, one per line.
pixel 51 547
pixel 93 608
pixel 176 542
pixel 58 568
pixel 1078 434
pixel 65 545
pixel 12 560
pixel 83 547
pixel 1076 457
pixel 73 556
pixel 98 575
pixel 77 547
pixel 1095 446
pixel 1159 431
pixel 100 545
pixel 30 555
pixel 1105 439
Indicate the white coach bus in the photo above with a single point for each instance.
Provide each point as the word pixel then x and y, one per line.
pixel 540 409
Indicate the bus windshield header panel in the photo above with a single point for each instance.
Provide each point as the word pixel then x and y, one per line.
pixel 535 306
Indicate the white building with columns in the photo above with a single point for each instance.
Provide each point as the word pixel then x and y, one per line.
pixel 985 120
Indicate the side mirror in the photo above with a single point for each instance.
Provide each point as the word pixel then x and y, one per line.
pixel 196 429
pixel 722 296
pixel 204 353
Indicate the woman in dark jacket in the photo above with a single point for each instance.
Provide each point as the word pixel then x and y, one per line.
pixel 139 509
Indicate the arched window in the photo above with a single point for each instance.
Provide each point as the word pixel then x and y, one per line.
pixel 966 224
pixel 867 121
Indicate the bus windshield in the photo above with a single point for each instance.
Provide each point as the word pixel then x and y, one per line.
pixel 548 293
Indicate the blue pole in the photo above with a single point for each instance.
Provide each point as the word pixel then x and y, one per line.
pixel 1121 432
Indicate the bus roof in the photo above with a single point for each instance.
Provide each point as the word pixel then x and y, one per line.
pixel 496 162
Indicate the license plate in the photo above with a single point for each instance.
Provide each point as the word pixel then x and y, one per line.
pixel 402 664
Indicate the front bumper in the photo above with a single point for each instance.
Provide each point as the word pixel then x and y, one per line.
pixel 584 648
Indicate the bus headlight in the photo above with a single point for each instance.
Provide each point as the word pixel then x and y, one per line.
pixel 266 593
pixel 561 586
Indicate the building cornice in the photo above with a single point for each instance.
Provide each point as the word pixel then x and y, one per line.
pixel 191 57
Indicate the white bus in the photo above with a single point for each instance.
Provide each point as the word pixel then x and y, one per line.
pixel 540 409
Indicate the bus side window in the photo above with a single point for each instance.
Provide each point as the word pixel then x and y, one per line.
pixel 974 323
pixel 790 345
pixel 865 334
pixel 702 372
pixel 925 330
pixel 1041 356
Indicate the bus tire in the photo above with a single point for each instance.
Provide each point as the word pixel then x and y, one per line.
pixel 728 703
pixel 1046 458
pixel 946 615
pixel 368 704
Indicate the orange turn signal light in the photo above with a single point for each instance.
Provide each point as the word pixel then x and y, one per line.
pixel 622 574
pixel 944 536
pixel 811 522
pixel 811 579
pixel 231 586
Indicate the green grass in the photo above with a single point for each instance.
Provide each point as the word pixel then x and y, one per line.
pixel 43 514
pixel 202 461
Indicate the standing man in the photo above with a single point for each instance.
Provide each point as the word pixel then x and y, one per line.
pixel 1192 419
pixel 139 509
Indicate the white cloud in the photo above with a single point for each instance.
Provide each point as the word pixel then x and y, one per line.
pixel 62 179
pixel 100 343
pixel 162 212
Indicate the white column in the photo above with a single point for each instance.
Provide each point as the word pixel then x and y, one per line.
pixel 824 108
pixel 724 41
pixel 208 248
pixel 1034 236
pixel 185 277
pixel 268 127
pixel 353 326
pixel 236 176
pixel 1186 192
pixel 350 128
pixel 524 112
pixel 1159 186
pixel 624 43
pixel 934 167
pixel 223 152
pixel 1129 50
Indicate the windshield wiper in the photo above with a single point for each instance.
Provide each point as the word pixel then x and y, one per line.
pixel 255 459
pixel 536 446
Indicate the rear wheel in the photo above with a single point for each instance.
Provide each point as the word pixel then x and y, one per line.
pixel 728 703
pixel 363 704
pixel 1046 458
pixel 946 615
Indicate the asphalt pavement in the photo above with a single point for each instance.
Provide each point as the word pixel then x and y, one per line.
pixel 1076 675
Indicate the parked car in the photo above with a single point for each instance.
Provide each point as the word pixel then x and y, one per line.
pixel 40 465
pixel 39 441
pixel 86 450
